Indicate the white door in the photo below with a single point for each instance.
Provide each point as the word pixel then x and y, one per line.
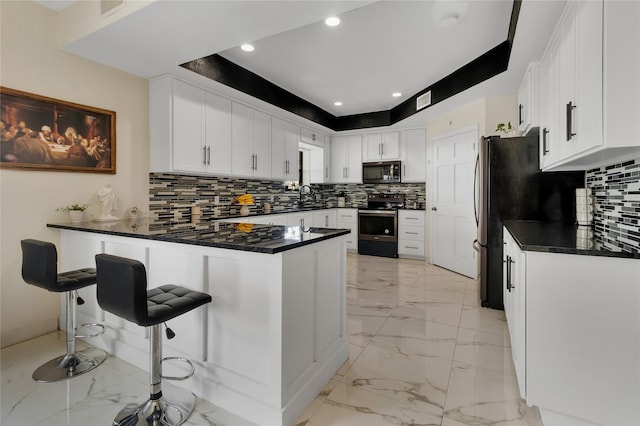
pixel 453 226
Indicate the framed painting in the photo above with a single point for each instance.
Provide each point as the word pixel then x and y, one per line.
pixel 40 133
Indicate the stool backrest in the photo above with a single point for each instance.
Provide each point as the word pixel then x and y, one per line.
pixel 40 263
pixel 122 287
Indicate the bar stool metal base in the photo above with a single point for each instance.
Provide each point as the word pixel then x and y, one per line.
pixel 172 409
pixel 69 365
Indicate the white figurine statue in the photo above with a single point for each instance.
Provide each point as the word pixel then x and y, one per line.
pixel 109 202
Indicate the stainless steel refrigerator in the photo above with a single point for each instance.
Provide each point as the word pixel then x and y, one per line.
pixel 510 185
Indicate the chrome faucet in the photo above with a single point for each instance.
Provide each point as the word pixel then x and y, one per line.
pixel 303 195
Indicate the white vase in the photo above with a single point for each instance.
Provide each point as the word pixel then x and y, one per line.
pixel 76 216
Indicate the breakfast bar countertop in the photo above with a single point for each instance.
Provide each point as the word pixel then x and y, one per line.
pixel 227 235
pixel 554 237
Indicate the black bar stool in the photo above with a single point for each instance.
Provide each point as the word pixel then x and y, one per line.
pixel 39 268
pixel 122 290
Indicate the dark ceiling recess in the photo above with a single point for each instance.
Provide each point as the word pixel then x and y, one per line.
pixel 485 66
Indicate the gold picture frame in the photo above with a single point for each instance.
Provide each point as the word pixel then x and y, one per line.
pixel 41 133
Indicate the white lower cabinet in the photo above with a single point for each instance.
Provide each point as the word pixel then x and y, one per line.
pixel 574 323
pixel 324 218
pixel 301 219
pixel 514 295
pixel 411 233
pixel 348 219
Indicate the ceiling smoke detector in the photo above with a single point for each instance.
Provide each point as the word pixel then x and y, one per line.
pixel 448 13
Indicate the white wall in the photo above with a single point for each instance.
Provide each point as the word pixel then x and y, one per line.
pixel 31 62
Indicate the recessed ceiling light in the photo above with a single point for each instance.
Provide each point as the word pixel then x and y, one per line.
pixel 396 94
pixel 337 103
pixel 247 47
pixel 332 21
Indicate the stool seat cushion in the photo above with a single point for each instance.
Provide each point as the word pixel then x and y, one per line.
pixel 122 290
pixel 169 301
pixel 72 280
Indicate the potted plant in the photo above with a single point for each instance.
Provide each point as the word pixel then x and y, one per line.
pixel 76 211
pixel 135 212
pixel 507 129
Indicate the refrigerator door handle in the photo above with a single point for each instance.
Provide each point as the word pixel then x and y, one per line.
pixel 476 245
pixel 476 189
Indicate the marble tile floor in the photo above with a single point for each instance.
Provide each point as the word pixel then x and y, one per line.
pixel 422 352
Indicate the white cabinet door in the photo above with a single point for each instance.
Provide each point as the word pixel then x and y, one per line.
pixel 327 159
pixel 262 144
pixel 324 218
pixel 310 136
pixel 278 149
pixel 188 128
pixel 291 151
pixel 302 219
pixel 381 146
pixel 217 134
pixel 251 142
pixel 338 159
pixel 514 293
pixel 588 76
pixel 528 99
pixel 354 160
pixel 414 161
pixel 346 159
pixel 549 107
pixel 242 155
pixel 348 219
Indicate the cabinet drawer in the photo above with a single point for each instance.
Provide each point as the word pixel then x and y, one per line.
pixel 411 248
pixel 412 233
pixel 411 218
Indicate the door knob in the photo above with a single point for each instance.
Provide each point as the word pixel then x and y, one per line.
pixel 434 208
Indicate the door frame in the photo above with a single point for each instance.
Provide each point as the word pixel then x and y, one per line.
pixel 475 128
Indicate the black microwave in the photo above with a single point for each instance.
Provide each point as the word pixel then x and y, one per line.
pixel 381 172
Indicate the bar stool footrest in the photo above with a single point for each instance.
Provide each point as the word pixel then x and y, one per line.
pixel 89 325
pixel 181 359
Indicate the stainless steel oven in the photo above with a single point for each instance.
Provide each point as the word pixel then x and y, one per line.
pixel 378 225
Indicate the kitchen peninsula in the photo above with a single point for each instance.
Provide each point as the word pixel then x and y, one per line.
pixel 276 330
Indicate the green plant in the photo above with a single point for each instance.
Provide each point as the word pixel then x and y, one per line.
pixel 504 128
pixel 72 207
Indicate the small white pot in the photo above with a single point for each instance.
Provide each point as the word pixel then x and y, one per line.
pixel 76 216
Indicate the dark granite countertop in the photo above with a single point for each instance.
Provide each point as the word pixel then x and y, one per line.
pixel 552 237
pixel 227 235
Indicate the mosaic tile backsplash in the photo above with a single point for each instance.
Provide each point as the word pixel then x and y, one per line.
pixel 616 218
pixel 171 196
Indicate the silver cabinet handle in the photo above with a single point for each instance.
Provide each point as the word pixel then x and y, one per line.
pixel 208 155
pixel 381 149
pixel 411 247
pixel 256 161
pixel 411 233
pixel 434 209
pixel 414 218
pixel 204 155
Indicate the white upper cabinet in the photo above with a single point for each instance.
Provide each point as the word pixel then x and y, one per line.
pixel 190 128
pixel 251 142
pixel 284 150
pixel 381 146
pixel 528 99
pixel 588 116
pixel 217 133
pixel 414 149
pixel 346 159
pixel 310 136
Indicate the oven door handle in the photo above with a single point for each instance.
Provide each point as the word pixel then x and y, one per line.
pixel 377 212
